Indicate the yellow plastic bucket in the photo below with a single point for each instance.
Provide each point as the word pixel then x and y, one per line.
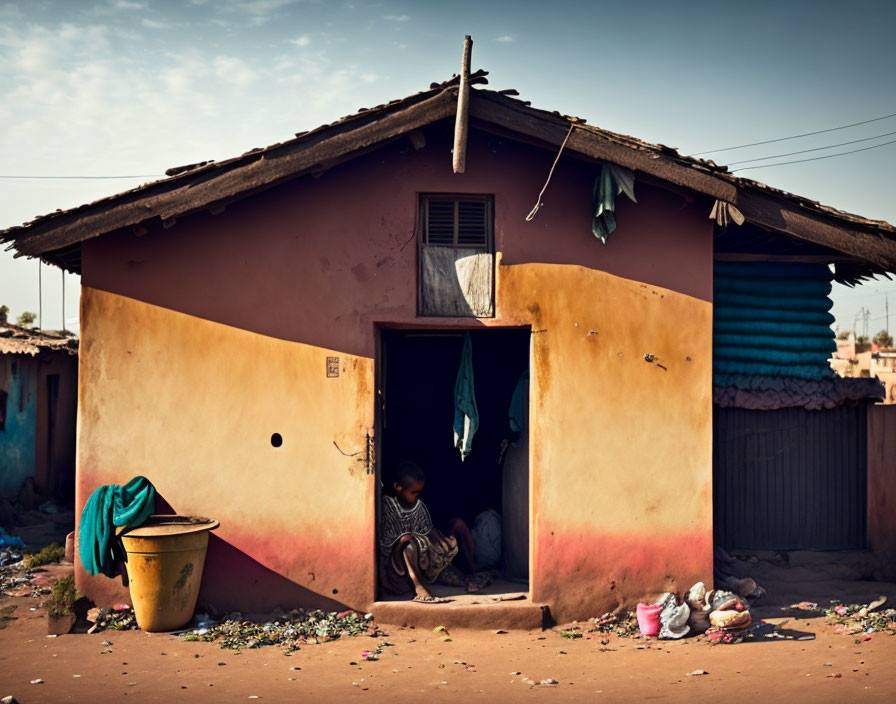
pixel 165 558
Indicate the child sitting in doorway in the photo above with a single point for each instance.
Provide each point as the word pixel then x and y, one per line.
pixel 413 552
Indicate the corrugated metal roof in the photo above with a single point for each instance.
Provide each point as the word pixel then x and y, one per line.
pixel 18 340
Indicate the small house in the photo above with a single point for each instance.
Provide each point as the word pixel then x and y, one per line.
pixel 38 406
pixel 264 337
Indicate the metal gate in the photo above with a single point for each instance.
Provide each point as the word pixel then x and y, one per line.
pixel 790 479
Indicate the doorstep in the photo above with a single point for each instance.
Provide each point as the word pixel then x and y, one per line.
pixel 506 611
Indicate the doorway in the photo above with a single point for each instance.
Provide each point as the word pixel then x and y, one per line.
pixel 489 488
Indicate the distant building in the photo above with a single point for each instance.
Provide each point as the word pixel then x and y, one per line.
pixel 854 360
pixel 38 407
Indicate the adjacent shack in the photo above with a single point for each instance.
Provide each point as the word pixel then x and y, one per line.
pixel 264 337
pixel 38 406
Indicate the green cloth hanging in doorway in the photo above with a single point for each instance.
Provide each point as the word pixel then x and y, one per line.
pixel 466 414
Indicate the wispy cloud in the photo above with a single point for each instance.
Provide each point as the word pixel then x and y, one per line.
pixel 72 91
pixel 505 39
pixel 255 12
pixel 231 69
pixel 397 18
pixel 153 24
pixel 129 5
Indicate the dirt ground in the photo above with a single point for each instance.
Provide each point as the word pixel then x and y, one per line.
pixel 420 666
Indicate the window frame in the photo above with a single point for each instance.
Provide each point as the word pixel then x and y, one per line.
pixel 423 199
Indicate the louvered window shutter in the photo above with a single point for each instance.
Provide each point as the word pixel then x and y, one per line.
pixel 456 256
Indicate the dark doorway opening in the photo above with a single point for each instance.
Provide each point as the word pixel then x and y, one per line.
pixel 418 372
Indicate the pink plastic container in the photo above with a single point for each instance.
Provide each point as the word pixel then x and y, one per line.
pixel 649 618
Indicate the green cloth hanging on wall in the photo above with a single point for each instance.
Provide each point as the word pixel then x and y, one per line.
pixel 612 181
pixel 466 414
pixel 111 506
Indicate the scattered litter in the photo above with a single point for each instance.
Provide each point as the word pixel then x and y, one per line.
pixel 291 630
pixel 805 606
pixel 852 619
pixel 10 541
pixel 548 680
pixel 37 681
pixel 500 632
pixel 16 577
pixel 440 630
pixel 834 676
pixel 696 673
pixel 118 618
pixel 623 624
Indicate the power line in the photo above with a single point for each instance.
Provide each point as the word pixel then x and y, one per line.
pixel 816 158
pixel 89 177
pixel 816 149
pixel 796 136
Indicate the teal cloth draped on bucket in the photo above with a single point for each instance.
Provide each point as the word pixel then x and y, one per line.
pixel 111 506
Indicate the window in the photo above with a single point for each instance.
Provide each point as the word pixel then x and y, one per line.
pixel 456 256
pixel 458 222
pixel 3 397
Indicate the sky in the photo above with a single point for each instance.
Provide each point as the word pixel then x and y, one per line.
pixel 133 87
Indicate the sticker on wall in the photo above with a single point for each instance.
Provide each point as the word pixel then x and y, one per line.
pixel 332 367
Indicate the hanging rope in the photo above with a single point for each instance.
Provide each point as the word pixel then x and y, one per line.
pixel 550 173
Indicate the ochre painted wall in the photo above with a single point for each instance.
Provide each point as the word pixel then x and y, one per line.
pixel 201 340
pixel 192 405
pixel 882 488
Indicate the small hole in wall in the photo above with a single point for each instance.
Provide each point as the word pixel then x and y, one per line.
pixel 276 440
pixel 335 591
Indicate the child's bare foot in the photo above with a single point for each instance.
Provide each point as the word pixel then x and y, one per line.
pixel 430 599
pixel 477 582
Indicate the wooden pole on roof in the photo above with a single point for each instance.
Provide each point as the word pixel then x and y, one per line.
pixel 459 160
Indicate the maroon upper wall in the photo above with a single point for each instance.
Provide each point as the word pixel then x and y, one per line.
pixel 320 260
